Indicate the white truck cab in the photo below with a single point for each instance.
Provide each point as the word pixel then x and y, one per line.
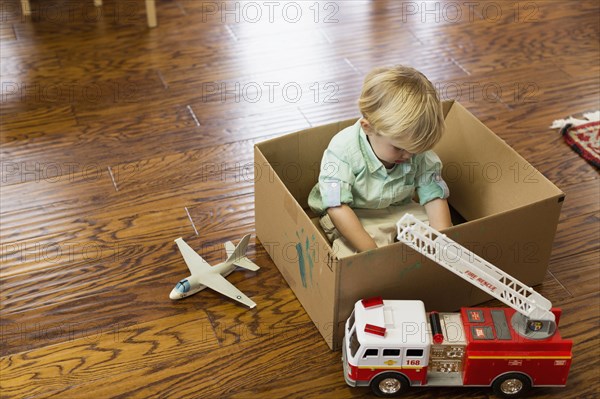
pixel 393 336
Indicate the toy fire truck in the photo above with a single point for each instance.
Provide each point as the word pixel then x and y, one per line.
pixel 391 345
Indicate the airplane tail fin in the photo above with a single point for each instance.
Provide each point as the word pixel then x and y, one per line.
pixel 237 255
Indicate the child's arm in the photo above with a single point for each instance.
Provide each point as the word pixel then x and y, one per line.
pixel 346 222
pixel 438 214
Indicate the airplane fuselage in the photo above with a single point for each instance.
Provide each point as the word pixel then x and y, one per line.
pixel 191 285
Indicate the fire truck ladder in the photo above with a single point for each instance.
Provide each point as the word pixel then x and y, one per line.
pixel 474 269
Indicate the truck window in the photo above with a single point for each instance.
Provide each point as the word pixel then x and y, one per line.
pixel 391 353
pixel 371 353
pixel 351 321
pixel 414 352
pixel 354 344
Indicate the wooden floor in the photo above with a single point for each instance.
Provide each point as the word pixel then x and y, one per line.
pixel 117 139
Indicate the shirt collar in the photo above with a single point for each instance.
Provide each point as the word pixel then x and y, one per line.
pixel 373 163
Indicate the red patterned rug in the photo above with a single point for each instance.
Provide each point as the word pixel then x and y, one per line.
pixel 583 136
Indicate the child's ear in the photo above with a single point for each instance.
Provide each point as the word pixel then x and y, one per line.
pixel 366 126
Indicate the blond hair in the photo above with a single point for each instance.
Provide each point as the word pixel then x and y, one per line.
pixel 400 102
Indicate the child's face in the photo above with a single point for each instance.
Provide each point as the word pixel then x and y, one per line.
pixel 388 150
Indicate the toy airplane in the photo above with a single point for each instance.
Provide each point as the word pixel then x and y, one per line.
pixel 205 275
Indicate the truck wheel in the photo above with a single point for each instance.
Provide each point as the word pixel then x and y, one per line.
pixel 511 385
pixel 389 384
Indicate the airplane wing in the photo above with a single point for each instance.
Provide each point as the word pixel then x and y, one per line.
pixel 246 264
pixel 224 287
pixel 193 260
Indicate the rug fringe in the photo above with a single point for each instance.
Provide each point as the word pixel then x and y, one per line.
pixel 589 117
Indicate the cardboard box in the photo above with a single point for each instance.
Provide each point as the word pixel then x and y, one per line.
pixel 504 211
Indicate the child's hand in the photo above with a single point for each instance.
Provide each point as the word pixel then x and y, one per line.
pixel 347 223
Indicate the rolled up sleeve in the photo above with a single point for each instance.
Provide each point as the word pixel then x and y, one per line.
pixel 335 184
pixel 429 182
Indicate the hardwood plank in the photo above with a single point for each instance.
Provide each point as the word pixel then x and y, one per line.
pixel 65 367
pixel 247 350
pixel 45 194
pixel 187 177
pixel 7 33
pixel 579 273
pixel 226 163
pixel 192 52
pixel 328 112
pixel 291 85
pixel 73 147
pixel 253 57
pixel 73 238
pixel 576 235
pixel 20 63
pixel 582 198
pixel 221 215
pixel 24 124
pixel 545 10
pixel 96 257
pixel 436 66
pixel 564 168
pixel 571 170
pixel 504 51
pixel 80 20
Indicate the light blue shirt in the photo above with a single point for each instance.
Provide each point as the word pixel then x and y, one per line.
pixel 352 174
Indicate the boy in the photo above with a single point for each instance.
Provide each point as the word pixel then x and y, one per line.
pixel 370 171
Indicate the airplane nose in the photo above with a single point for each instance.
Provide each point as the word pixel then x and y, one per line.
pixel 174 295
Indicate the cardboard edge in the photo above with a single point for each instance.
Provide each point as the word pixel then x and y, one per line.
pixel 494 136
pixel 273 139
pixel 336 308
pixel 558 197
pixel 296 212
